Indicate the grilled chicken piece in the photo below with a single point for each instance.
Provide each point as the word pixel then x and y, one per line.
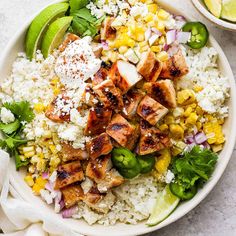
pixel 104 204
pixel 124 75
pixel 100 76
pixel 89 97
pixel 93 196
pixel 111 180
pixel 97 49
pixel 109 95
pixel 149 67
pixel 98 120
pixel 162 91
pixel 175 67
pixel 97 169
pixel 122 131
pixel 68 174
pixel 131 102
pixel 68 40
pixel 72 194
pixel 55 113
pixel 100 145
pixel 151 110
pixel 71 154
pixel 107 32
pixel 151 139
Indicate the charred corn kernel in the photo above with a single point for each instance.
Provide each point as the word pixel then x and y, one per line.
pixel 47 134
pixel 199 125
pixel 163 161
pixel 192 119
pixel 177 132
pixel 39 107
pixel 169 119
pixel 193 105
pixel 144 49
pixel 162 56
pixel 156 48
pixel 22 157
pixel 54 80
pixel 143 44
pixel 34 159
pixel 162 40
pixel 28 149
pixel 29 154
pixel 29 180
pixel 178 111
pixel 209 117
pixel 31 169
pixel 182 124
pixel 56 90
pixel 221 121
pixel 185 97
pixel 36 189
pixel 217 148
pixel 152 8
pixel 41 165
pixel 40 181
pixel 163 127
pixel 148 17
pixel 160 26
pixel 188 111
pixel 176 151
pixel 181 145
pixel 199 110
pixel 197 88
pixel 140 37
pixel 41 155
pixel 53 149
pixel 54 162
pixel 123 49
pixel 163 15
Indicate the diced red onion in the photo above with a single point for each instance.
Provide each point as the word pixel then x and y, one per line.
pixel 195 130
pixel 179 18
pixel 153 39
pixel 183 37
pixel 147 34
pixel 68 213
pixel 189 139
pixel 200 138
pixel 105 45
pixel 49 186
pixel 206 145
pixel 62 204
pixel 173 50
pixel 45 175
pixel 171 36
pixel 166 47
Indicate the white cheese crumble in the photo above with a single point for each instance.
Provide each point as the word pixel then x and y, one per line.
pixel 6 116
pixel 139 9
pixel 77 63
pixel 169 177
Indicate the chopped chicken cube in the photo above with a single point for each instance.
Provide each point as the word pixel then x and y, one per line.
pixel 89 97
pixel 72 194
pixel 97 169
pixel 122 131
pixel 69 153
pixel 151 139
pixel 163 91
pixel 100 145
pixel 151 110
pixel 124 75
pixel 175 67
pixel 93 196
pixel 98 120
pixel 68 174
pixel 100 76
pixel 107 32
pixel 109 95
pixel 149 67
pixel 131 102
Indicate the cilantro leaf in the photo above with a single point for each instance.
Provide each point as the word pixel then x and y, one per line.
pixel 21 110
pixel 14 142
pixel 18 161
pixel 192 169
pixel 78 4
pixel 11 127
pixel 85 14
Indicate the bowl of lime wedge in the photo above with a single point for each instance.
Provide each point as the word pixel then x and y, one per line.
pixel 220 12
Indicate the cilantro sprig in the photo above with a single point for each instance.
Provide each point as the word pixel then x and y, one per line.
pixel 11 132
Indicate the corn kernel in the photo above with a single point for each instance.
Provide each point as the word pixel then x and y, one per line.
pixel 177 132
pixel 41 165
pixel 148 17
pixel 199 110
pixel 54 162
pixel 197 88
pixel 53 149
pixel 28 149
pixel 31 169
pixel 217 148
pixel 39 107
pixel 178 111
pixel 176 150
pixel 192 119
pixel 152 8
pixel 56 91
pixel 188 111
pixel 143 44
pixel 140 37
pixel 169 119
pixel 185 97
pixel 160 26
pixel 162 40
pixel 163 161
pixel 156 48
pixel 29 180
pixel 54 80
pixel 29 154
pixel 163 15
pixel 123 49
pixel 163 127
pixel 199 125
pixel 162 56
pixel 47 134
pixel 144 49
pixel 41 182
pixel 36 189
pixel 221 121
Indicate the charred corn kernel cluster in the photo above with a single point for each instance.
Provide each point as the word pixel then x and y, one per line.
pixel 185 97
pixel 39 185
pixel 213 131
pixel 39 107
pixel 177 147
pixel 163 161
pixel 176 131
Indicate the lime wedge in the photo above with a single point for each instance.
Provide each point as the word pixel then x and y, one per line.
pixel 165 204
pixel 55 34
pixel 214 6
pixel 39 25
pixel 229 10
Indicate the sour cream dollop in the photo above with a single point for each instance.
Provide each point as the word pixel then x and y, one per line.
pixel 77 63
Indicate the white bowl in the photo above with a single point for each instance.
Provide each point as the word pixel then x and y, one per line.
pixel 201 7
pixel 16 178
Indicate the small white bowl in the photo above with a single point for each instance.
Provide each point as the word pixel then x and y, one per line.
pixel 201 7
pixel 17 178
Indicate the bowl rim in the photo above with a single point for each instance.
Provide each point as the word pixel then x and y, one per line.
pixel 190 204
pixel 199 5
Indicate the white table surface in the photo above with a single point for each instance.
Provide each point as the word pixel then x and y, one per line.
pixel 216 215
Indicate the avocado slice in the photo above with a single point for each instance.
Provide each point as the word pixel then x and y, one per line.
pixel 229 10
pixel 214 6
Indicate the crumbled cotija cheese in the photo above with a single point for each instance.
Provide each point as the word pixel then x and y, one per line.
pixel 6 116
pixel 77 63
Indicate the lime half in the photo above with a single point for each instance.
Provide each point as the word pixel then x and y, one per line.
pixel 39 25
pixel 229 10
pixel 165 204
pixel 55 34
pixel 214 6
